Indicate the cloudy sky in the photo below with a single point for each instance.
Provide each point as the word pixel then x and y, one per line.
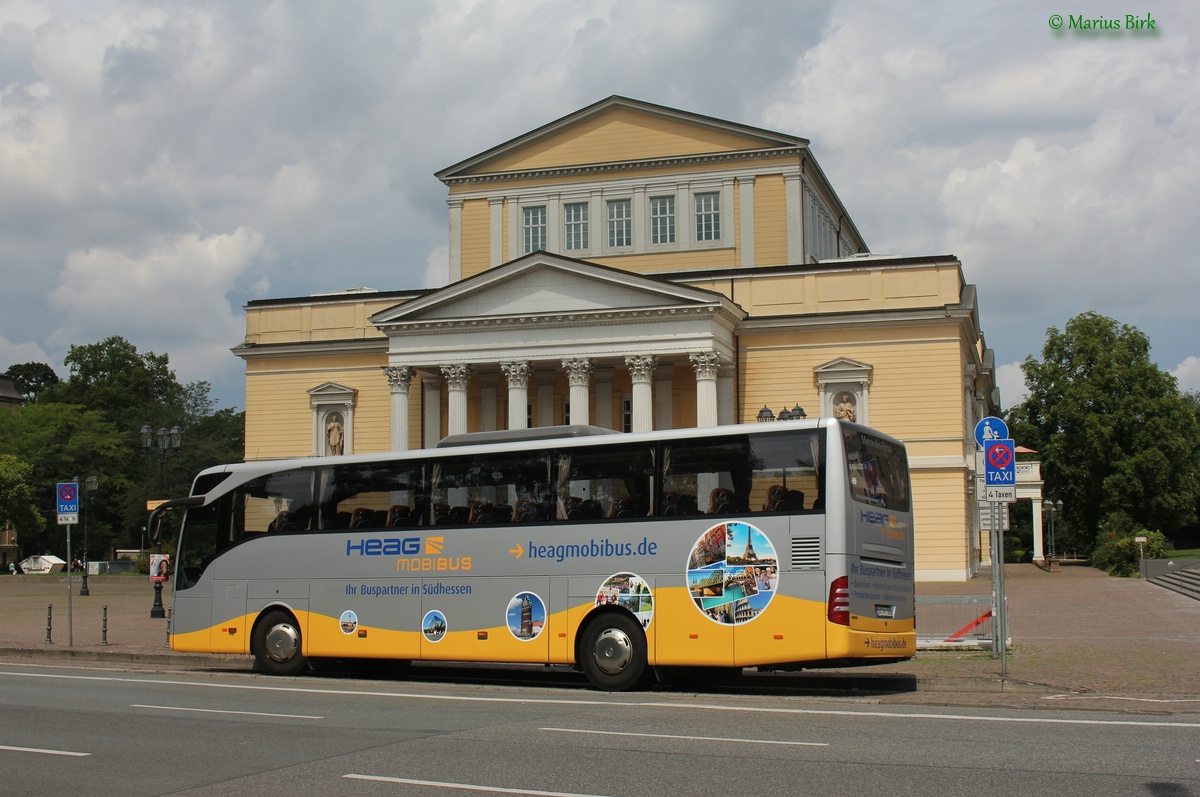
pixel 163 163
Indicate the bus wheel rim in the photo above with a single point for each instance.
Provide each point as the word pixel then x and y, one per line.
pixel 282 642
pixel 613 650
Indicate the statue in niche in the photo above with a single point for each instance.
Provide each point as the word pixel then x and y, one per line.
pixel 845 410
pixel 335 435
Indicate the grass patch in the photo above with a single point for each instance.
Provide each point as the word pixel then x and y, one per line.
pixel 1189 553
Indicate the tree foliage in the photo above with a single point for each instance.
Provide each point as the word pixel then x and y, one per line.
pixel 112 376
pixel 89 425
pixel 62 442
pixel 1118 443
pixel 17 505
pixel 32 378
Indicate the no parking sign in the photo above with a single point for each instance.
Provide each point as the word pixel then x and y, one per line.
pixel 67 498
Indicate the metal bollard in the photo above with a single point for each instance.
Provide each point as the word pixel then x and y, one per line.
pixel 170 615
pixel 49 621
pixel 104 626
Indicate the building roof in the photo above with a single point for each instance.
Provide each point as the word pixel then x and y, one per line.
pixel 9 393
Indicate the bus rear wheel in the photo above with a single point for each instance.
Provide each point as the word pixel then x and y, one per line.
pixel 613 653
pixel 276 644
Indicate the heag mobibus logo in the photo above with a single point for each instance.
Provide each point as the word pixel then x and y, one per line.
pixel 408 551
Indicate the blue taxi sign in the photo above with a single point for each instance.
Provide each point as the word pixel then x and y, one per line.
pixel 66 496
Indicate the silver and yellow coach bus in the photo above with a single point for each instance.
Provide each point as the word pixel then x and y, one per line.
pixel 785 545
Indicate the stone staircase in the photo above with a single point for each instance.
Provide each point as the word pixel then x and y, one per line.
pixel 1182 576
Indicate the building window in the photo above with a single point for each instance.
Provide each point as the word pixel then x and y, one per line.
pixel 662 220
pixel 620 223
pixel 708 217
pixel 535 229
pixel 576 219
pixel 626 415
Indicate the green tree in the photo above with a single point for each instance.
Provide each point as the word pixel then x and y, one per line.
pixel 129 387
pixel 32 378
pixel 1119 444
pixel 18 508
pixel 90 424
pixel 62 442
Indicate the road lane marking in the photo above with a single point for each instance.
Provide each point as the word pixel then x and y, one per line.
pixel 685 738
pixel 42 751
pixel 527 701
pixel 223 711
pixel 467 786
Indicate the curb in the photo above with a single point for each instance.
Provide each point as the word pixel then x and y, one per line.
pixel 832 682
pixel 203 661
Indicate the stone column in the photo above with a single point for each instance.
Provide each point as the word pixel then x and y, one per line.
pixel 457 376
pixel 641 372
pixel 579 372
pixel 399 379
pixel 706 365
pixel 1039 531
pixel 517 375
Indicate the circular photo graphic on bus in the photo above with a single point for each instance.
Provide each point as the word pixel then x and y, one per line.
pixel 348 622
pixel 526 616
pixel 433 626
pixel 630 591
pixel 732 573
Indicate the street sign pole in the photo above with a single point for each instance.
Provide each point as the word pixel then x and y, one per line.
pixel 70 609
pixel 1001 595
pixel 1000 486
pixel 66 496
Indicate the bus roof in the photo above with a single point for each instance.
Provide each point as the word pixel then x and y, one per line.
pixel 523 435
pixel 513 440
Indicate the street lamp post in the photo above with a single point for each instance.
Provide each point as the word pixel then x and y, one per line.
pixel 1053 509
pixel 90 484
pixel 167 441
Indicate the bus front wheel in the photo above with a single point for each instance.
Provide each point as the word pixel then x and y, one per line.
pixel 613 652
pixel 277 645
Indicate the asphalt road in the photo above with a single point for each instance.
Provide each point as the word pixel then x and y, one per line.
pixel 100 730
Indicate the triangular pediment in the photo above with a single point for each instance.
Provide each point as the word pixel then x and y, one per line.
pixel 543 285
pixel 331 390
pixel 843 369
pixel 619 130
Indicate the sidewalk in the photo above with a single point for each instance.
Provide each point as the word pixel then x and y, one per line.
pixel 1079 632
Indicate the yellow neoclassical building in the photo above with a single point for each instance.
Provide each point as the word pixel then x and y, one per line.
pixel 639 267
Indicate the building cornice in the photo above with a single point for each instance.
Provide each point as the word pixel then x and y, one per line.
pixel 310 348
pixel 610 167
pixel 575 319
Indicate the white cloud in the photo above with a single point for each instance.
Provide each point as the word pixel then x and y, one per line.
pixel 1188 374
pixel 171 297
pixel 437 268
pixel 1011 381
pixel 16 353
pixel 1062 169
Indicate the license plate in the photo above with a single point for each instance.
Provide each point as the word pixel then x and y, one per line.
pixel 885 612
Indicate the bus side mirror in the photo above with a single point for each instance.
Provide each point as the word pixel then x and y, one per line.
pixel 154 529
